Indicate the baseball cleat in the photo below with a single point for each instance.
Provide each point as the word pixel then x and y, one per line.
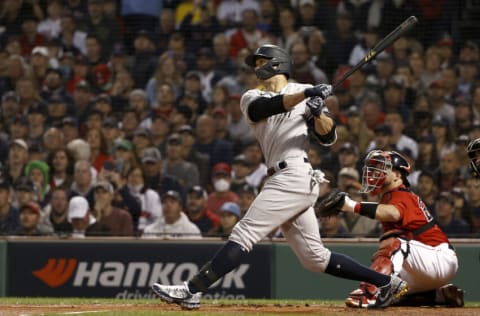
pixel 178 294
pixel 390 293
pixel 359 301
pixel 452 295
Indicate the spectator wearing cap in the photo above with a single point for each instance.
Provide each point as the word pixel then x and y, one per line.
pixel 71 37
pixel 190 154
pixel 220 117
pixel 464 116
pixel 98 147
pixel 246 196
pixel 82 95
pixel 129 122
pixel 154 177
pixel 9 215
pixel 69 129
pixel 142 138
pixel 438 105
pixel 53 86
pixel 218 150
pixel 197 211
pixel 165 73
pixel 174 223
pixel 449 77
pixel 151 207
pixel 138 100
pixel 17 159
pixel 25 191
pixel 144 58
pixel 124 155
pixel 221 181
pixel 29 219
pixel 348 176
pixel 111 132
pixel 161 129
pixel 175 165
pixel 427 156
pixel 191 94
pixel 29 37
pixel 94 119
pixel 37 121
pixel 467 75
pixel 55 216
pixel 473 203
pixel 103 104
pixel 52 139
pixel 60 162
pixel 18 128
pixel 230 214
pixel 9 107
pixel 443 134
pixel 83 178
pixel 122 86
pixel 83 221
pixel 348 156
pixel 208 76
pixel 382 138
pixel 39 173
pixel 182 115
pixel 253 153
pixel 119 221
pixel 451 225
pixel 241 168
pixel 395 97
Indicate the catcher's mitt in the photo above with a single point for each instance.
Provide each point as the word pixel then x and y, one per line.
pixel 330 205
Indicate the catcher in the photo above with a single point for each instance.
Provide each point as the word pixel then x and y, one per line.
pixel 412 247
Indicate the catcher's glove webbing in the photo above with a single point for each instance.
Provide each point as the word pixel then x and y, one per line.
pixel 331 205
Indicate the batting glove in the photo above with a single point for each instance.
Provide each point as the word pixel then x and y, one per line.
pixel 316 105
pixel 320 90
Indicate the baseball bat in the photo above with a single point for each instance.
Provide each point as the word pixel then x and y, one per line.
pixel 384 43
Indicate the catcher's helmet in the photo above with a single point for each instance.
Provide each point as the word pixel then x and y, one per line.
pixel 377 164
pixel 472 149
pixel 279 61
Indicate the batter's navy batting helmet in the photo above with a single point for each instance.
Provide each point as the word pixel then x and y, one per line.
pixel 279 61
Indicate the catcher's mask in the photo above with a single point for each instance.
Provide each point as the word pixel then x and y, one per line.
pixel 472 149
pixel 278 61
pixel 378 164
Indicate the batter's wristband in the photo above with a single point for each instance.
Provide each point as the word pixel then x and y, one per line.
pixel 367 209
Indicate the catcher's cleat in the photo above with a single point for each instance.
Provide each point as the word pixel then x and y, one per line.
pixel 178 294
pixel 389 293
pixel 452 295
pixel 360 299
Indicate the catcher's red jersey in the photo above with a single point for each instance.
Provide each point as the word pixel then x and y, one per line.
pixel 413 215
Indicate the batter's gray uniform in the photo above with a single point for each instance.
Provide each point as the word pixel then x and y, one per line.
pixel 288 195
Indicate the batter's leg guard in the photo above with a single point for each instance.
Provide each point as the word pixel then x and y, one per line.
pixel 381 262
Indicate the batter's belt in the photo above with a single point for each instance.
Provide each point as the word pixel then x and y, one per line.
pixel 281 165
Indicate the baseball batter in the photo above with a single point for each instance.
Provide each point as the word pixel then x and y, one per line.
pixel 413 246
pixel 283 116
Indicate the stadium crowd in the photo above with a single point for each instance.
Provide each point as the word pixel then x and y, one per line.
pixel 122 118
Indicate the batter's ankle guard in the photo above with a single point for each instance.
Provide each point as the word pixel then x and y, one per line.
pixel 204 278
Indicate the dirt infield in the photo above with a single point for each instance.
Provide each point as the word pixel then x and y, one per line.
pixel 287 309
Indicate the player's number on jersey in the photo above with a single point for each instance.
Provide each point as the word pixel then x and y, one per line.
pixel 425 211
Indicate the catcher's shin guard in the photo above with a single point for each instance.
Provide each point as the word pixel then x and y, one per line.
pixel 381 262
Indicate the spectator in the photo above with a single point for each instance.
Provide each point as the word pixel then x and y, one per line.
pixel 253 153
pixel 111 132
pixel 438 105
pixel 463 116
pixel 117 220
pixel 82 178
pixel 341 40
pixel 303 69
pixel 9 215
pixel 175 165
pixel 191 94
pixel 443 134
pixel 150 200
pixel 80 149
pixel 197 211
pixel 221 180
pixel 467 75
pixel 143 60
pixel 246 195
pixel 221 120
pixel 121 88
pixel 103 104
pixel 229 12
pixel 154 177
pixel 229 216
pixel 71 38
pixel 190 154
pixel 473 203
pixel 69 129
pixel 348 177
pixel 174 223
pixel 165 100
pixel 104 30
pixel 19 128
pixel 446 219
pixel 320 55
pixel 358 226
pixel 37 122
pixel 55 216
pixel 9 107
pixel 161 128
pixel 218 150
pixel 348 157
pixel 98 147
pixel 124 155
pixel 402 142
pixel 247 35
pixel 206 70
pixel 447 175
pixel 224 64
pixel 382 138
pixel 82 220
pixel 52 140
pixel 29 220
pixel 166 72
pixel 237 125
pixel 29 37
pixel 17 159
pixel 164 29
pixel 38 172
pixel 142 138
pixel 241 168
pixel 287 28
pixel 332 227
pixel 138 100
pixel 82 96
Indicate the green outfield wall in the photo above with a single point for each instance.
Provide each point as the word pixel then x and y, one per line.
pixel 125 269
